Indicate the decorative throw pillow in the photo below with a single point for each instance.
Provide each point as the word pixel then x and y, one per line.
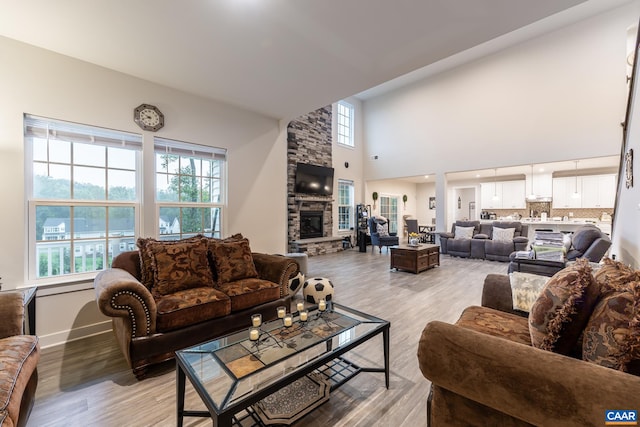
pixel 233 261
pixel 213 240
pixel 463 232
pixel 525 289
pixel 146 268
pixel 179 265
pixel 559 315
pixel 614 275
pixel 503 234
pixel 612 336
pixel 382 230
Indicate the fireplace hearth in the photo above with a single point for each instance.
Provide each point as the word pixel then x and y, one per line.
pixel 311 224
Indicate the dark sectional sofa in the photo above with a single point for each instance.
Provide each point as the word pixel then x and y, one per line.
pixel 482 245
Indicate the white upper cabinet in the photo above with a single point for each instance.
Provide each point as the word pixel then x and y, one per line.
pixel 599 191
pixel 503 195
pixel 563 193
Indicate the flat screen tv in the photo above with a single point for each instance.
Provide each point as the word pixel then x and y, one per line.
pixel 312 179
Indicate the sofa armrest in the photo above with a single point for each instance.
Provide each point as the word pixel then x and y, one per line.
pixel 536 386
pixel 119 294
pixel 446 235
pixel 11 313
pixel 496 294
pixel 276 268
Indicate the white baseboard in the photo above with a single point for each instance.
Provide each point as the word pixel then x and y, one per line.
pixel 69 335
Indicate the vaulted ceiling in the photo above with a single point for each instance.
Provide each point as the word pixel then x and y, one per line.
pixel 276 57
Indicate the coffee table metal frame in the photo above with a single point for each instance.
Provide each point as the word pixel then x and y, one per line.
pixel 337 369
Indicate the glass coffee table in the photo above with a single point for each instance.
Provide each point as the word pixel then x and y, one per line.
pixel 232 373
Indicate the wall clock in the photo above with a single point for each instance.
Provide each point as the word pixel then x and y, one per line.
pixel 148 117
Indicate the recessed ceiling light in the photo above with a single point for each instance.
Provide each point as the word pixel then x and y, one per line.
pixel 541 170
pixel 426 176
pixel 477 175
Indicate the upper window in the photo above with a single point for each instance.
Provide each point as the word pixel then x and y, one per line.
pixel 345 205
pixel 83 195
pixel 344 131
pixel 189 189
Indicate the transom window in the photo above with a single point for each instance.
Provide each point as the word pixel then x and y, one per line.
pixel 83 195
pixel 345 205
pixel 344 131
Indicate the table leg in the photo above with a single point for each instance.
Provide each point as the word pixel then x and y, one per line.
pixel 180 386
pixel 385 339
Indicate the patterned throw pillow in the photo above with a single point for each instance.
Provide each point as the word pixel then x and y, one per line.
pixel 525 289
pixel 503 234
pixel 382 230
pixel 233 261
pixel 146 269
pixel 612 336
pixel 179 265
pixel 213 240
pixel 559 315
pixel 613 275
pixel 463 232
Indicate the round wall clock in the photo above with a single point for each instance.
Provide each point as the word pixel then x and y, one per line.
pixel 148 117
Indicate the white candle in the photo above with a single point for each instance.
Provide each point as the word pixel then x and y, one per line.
pixel 322 305
pixel 256 320
pixel 288 321
pixel 254 334
pixel 281 312
pixel 300 306
pixel 303 315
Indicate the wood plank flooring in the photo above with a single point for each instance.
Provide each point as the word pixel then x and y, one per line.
pixel 87 383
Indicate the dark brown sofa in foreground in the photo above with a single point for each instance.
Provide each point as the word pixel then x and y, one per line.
pixel 19 356
pixel 558 367
pixel 170 295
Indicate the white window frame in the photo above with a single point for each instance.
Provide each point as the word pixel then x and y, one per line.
pixel 385 210
pixel 344 123
pixel 163 146
pixel 349 206
pixel 50 130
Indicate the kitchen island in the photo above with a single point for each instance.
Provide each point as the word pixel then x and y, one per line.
pixel 558 225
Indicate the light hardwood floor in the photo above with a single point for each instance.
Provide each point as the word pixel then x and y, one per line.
pixel 87 383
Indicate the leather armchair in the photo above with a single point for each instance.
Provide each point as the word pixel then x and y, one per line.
pixel 586 242
pixel 378 240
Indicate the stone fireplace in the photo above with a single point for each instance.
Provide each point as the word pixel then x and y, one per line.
pixel 311 224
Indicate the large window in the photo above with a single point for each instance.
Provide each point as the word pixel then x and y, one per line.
pixel 345 205
pixel 344 131
pixel 83 195
pixel 189 189
pixel 389 210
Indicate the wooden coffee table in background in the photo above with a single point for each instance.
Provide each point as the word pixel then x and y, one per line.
pixel 415 258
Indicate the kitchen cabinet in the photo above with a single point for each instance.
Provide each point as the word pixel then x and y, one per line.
pixel 510 195
pixel 563 190
pixel 599 191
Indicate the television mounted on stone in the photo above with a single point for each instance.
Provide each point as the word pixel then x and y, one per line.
pixel 313 179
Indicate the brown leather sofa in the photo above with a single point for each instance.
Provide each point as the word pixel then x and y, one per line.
pixel 19 356
pixel 484 371
pixel 150 326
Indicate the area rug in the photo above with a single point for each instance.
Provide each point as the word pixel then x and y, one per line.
pixel 294 401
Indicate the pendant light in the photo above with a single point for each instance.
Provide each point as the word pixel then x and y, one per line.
pixel 495 185
pixel 576 194
pixel 532 195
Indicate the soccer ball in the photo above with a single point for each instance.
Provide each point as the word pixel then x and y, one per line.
pixel 296 283
pixel 317 288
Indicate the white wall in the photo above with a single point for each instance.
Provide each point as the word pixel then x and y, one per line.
pixel 44 83
pixel 341 154
pixel 424 214
pixel 556 97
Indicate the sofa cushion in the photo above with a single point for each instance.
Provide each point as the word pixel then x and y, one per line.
pixel 179 266
pixel 190 306
pixel 463 232
pixel 250 292
pixel 503 234
pixel 233 261
pixel 19 356
pixel 612 336
pixel 147 276
pixel 613 275
pixel 559 315
pixel 496 323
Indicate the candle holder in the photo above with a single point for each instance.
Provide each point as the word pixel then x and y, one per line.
pixel 300 306
pixel 287 320
pixel 282 311
pixel 254 334
pixel 256 320
pixel 304 316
